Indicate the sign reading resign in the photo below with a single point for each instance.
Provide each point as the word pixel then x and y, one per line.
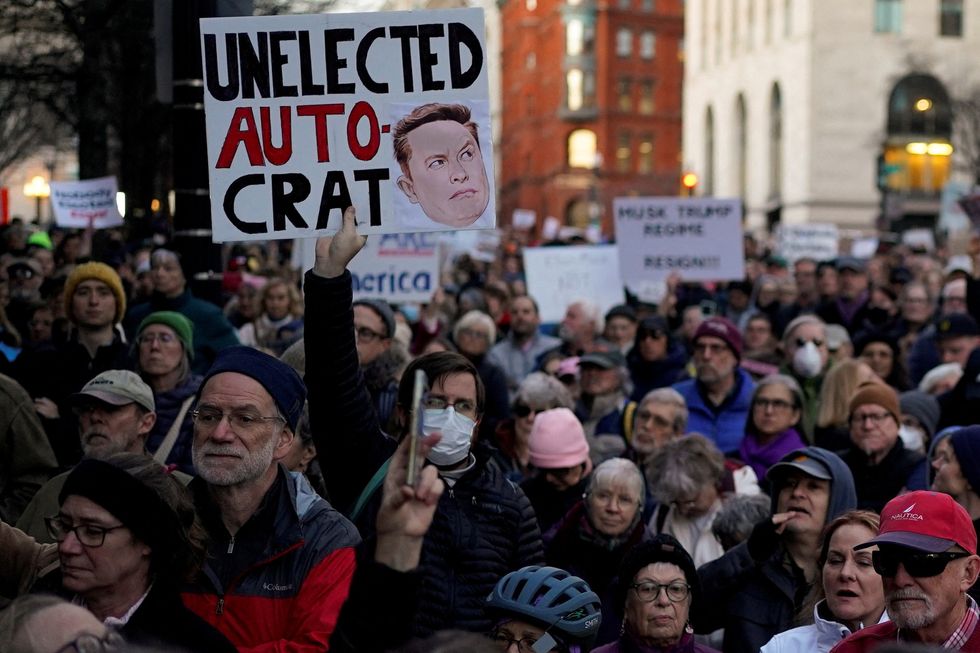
pixel 78 204
pixel 558 276
pixel 397 268
pixel 698 238
pixel 385 111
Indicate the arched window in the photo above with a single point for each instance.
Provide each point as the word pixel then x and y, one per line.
pixel 582 149
pixel 775 142
pixel 741 146
pixel 709 152
pixel 917 152
pixel 919 105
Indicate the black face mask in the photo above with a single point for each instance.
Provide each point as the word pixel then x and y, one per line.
pixel 878 315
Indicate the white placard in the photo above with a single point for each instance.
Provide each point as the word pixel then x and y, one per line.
pixel 816 241
pixel 558 276
pixel 80 203
pixel 397 268
pixel 304 114
pixel 550 228
pixel 524 219
pixel 920 238
pixel 864 247
pixel 698 238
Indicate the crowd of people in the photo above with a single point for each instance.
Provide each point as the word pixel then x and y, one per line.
pixel 789 462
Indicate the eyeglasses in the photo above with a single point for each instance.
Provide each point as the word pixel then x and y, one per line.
pixel 523 410
pixel 462 406
pixel 876 418
pixel 648 591
pixel 524 645
pixel 474 333
pixel 88 535
pixel 917 565
pixel 162 338
pixel 89 643
pixel 365 334
pixel 241 421
pixel 775 404
pixel 802 342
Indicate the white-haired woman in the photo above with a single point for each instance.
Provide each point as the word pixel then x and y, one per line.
pixel 474 334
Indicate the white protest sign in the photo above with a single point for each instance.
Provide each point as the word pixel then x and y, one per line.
pixel 923 238
pixel 816 241
pixel 523 219
pixel 549 231
pixel 79 203
pixel 397 268
pixel 385 111
pixel 864 247
pixel 558 276
pixel 698 238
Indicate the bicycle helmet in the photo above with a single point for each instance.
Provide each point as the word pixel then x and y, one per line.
pixel 563 604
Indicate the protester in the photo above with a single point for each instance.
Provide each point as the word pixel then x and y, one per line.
pixel 45 623
pixel 773 427
pixel 603 403
pixel 656 359
pixel 212 330
pixel 927 559
pixel 760 341
pixel 280 321
pixel 661 416
pixel 254 511
pixel 580 329
pixel 620 327
pixel 658 593
pixel 958 406
pixel 759 585
pixel 956 336
pixel 806 360
pixel 849 595
pixel 26 458
pixel 956 464
pixel 381 362
pixel 738 516
pixel 848 304
pixel 839 344
pixel 518 353
pixel 941 379
pixel 881 465
pixel 833 427
pixel 545 610
pixel 920 415
pixel 881 352
pixel 718 398
pixel 164 346
pixel 473 335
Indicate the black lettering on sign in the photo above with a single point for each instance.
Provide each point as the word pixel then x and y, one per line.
pixel 255 65
pixel 229 204
pixel 230 90
pixel 335 63
pixel 284 202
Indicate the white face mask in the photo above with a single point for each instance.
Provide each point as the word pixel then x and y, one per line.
pixel 456 430
pixel 913 438
pixel 806 361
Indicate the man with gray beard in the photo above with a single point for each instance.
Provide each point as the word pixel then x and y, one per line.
pixel 280 558
pixel 927 560
pixel 115 414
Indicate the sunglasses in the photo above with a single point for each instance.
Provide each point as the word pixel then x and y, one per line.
pixel 523 410
pixel 917 565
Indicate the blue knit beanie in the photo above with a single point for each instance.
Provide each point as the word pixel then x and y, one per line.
pixel 966 445
pixel 279 380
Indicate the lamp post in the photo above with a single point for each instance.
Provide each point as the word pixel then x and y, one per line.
pixel 39 189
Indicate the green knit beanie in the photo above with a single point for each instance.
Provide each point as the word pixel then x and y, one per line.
pixel 176 321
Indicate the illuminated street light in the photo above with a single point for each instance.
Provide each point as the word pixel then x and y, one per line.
pixel 39 189
pixel 923 104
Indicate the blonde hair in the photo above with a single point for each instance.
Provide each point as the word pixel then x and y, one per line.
pixel 838 388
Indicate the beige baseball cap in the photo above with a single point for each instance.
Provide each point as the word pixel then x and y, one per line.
pixel 117 387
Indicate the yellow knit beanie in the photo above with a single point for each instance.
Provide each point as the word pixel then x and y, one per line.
pixel 99 272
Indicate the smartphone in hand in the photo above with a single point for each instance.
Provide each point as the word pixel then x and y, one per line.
pixel 419 389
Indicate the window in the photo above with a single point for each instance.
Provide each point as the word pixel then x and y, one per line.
pixel 888 16
pixel 574 37
pixel 624 4
pixel 623 154
pixel 576 91
pixel 624 94
pixel 624 42
pixel 646 97
pixel 647 6
pixel 951 17
pixel 648 45
pixel 644 162
pixel 775 142
pixel 531 5
pixel 582 149
pixel 531 61
pixel 709 152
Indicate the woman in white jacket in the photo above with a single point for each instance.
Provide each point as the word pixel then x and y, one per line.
pixel 849 596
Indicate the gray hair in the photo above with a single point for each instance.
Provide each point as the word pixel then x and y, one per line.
pixel 477 319
pixel 784 380
pixel 618 469
pixel 682 467
pixel 539 389
pixel 592 312
pixel 800 321
pixel 739 515
pixel 669 397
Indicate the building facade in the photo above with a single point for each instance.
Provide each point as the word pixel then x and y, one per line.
pixel 591 106
pixel 836 111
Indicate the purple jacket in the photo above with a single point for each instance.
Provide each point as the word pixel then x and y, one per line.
pixel 626 644
pixel 760 457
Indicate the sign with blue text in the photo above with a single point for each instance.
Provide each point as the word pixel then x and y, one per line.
pixel 397 268
pixel 385 111
pixel 698 238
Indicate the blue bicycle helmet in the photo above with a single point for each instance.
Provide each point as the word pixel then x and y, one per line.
pixel 563 604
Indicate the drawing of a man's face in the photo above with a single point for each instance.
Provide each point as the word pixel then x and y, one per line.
pixel 445 174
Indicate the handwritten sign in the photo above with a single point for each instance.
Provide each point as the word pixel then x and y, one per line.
pixel 80 203
pixel 558 276
pixel 698 238
pixel 816 241
pixel 385 111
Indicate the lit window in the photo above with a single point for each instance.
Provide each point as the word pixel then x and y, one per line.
pixel 624 42
pixel 625 94
pixel 648 45
pixel 644 163
pixel 623 153
pixel 531 61
pixel 646 97
pixel 582 149
pixel 574 79
pixel 888 16
pixel 574 37
pixel 531 5
pixel 951 18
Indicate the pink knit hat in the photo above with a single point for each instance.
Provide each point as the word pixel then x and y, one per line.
pixel 558 440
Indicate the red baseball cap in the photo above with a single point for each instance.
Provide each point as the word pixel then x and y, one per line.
pixel 928 521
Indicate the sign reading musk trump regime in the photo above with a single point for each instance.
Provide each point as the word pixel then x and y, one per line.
pixel 387 112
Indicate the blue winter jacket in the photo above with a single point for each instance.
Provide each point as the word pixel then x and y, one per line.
pixel 724 425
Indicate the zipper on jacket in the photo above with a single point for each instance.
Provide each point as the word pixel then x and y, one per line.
pixel 220 609
pixel 231 544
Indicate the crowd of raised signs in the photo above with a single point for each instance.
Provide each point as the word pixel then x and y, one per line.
pixel 789 462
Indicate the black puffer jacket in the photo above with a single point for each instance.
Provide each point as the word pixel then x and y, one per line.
pixel 484 526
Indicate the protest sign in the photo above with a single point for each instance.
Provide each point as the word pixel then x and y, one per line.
pixel 816 241
pixel 558 276
pixel 919 238
pixel 397 268
pixel 385 111
pixel 698 238
pixel 80 203
pixel 864 247
pixel 524 219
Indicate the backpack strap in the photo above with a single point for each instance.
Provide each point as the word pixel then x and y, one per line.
pixel 373 485
pixel 629 410
pixel 163 451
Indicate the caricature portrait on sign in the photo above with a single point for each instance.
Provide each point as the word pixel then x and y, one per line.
pixel 441 157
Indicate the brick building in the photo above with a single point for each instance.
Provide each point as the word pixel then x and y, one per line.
pixel 591 106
